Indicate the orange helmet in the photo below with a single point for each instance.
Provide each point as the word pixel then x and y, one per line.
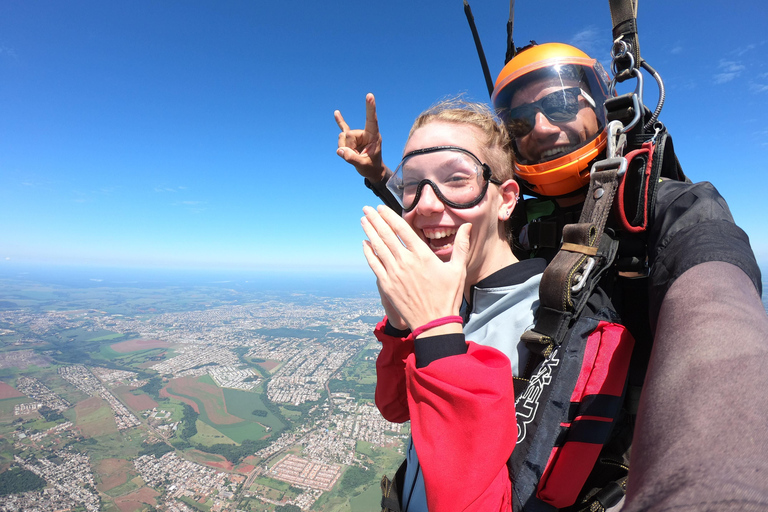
pixel 553 85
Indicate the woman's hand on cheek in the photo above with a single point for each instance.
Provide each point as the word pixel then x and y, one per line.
pixel 411 278
pixel 393 317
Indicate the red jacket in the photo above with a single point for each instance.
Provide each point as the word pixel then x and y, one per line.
pixel 462 411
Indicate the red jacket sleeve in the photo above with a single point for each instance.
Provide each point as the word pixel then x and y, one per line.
pixel 463 425
pixel 390 375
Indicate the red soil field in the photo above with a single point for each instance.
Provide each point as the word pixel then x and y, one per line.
pixel 210 395
pixel 7 391
pixel 244 468
pixel 269 365
pixel 136 500
pixel 134 345
pixel 165 394
pixel 113 472
pixel 137 403
pixel 210 459
pixel 226 466
pixel 251 459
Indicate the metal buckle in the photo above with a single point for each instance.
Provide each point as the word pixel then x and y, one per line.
pixel 618 162
pixel 581 279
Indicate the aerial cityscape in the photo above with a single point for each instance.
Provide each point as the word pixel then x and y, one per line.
pixel 189 398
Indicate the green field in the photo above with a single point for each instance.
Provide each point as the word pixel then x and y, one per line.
pixel 243 403
pixel 107 337
pixel 6 406
pixel 238 432
pixel 208 436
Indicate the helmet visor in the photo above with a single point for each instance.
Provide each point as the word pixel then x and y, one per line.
pixel 456 176
pixel 569 97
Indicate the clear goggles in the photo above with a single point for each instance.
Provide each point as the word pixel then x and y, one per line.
pixel 456 176
pixel 558 107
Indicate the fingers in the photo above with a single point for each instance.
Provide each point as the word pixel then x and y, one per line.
pixel 371 121
pixel 374 263
pixel 350 155
pixel 461 247
pixel 383 233
pixel 343 126
pixel 401 229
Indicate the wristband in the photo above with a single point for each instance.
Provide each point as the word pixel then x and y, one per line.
pixel 453 319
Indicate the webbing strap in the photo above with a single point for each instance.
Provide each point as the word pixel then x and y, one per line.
pixel 624 16
pixel 560 276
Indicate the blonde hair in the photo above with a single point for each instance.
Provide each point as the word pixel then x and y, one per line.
pixel 497 146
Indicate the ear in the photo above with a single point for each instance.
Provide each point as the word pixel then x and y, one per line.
pixel 510 195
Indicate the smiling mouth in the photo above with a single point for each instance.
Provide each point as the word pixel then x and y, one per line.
pixel 439 238
pixel 559 151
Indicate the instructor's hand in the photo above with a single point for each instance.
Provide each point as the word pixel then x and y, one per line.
pixel 362 148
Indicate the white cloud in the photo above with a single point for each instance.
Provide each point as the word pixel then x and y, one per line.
pixel 192 206
pixel 8 53
pixel 744 49
pixel 592 41
pixel 729 70
pixel 731 66
pixel 722 78
pixel 170 189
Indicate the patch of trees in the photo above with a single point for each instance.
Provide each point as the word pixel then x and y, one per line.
pixel 274 409
pixel 180 444
pixel 355 477
pixel 50 414
pixel 261 413
pixel 188 427
pixel 75 351
pixel 81 440
pixel 153 387
pixel 364 391
pixel 241 351
pixel 287 508
pixel 302 408
pixel 234 453
pixel 157 449
pixel 18 480
pixel 8 305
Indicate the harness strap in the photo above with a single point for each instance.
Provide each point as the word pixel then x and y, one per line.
pixel 392 489
pixel 624 17
pixel 583 249
pixel 568 267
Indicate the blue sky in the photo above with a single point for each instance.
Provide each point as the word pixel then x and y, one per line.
pixel 201 134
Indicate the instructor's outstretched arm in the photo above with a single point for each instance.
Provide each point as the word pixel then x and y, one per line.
pixel 700 440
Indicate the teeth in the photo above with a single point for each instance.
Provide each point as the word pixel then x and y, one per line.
pixel 436 234
pixel 555 151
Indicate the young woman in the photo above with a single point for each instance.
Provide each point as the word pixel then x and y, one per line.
pixel 457 301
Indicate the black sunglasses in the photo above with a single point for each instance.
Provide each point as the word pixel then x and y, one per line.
pixel 558 107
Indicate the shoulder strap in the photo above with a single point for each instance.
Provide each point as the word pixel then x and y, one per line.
pixel 570 278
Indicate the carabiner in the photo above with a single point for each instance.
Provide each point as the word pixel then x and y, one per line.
pixel 617 140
